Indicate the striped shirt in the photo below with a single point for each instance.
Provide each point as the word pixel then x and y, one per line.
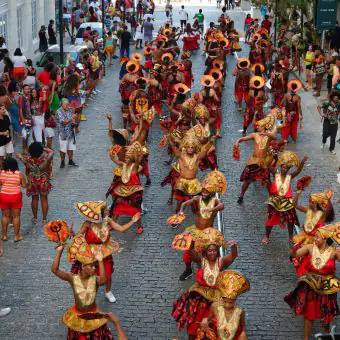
pixel 10 182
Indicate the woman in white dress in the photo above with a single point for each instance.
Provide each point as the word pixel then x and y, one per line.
pixel 139 35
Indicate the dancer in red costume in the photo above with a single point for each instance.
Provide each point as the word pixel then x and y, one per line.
pixel 193 306
pixel 277 84
pixel 280 207
pixel 292 104
pixel 242 74
pixel 315 297
pixel 96 231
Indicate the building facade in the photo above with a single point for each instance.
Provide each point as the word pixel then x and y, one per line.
pixel 20 22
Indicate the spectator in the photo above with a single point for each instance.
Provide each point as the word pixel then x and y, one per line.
pixel 8 67
pixel 183 17
pixel 319 69
pixel 200 18
pixel 99 13
pixel 2 43
pixel 92 17
pixel 84 7
pixel 109 48
pixel 50 124
pixel 266 23
pixel 94 4
pixel 168 10
pixel 87 42
pixel 4 99
pixel 52 39
pixel 336 73
pixel 263 10
pixel 14 108
pixel 19 63
pixel 247 25
pixel 335 41
pixel 30 74
pixel 330 113
pixel 6 145
pixel 11 181
pixel 139 35
pixel 43 45
pixel 77 14
pixel 67 140
pixel 125 38
pixel 38 181
pixel 330 65
pixel 309 57
pixel 148 29
pixel 36 104
pixel 139 10
pixel 152 7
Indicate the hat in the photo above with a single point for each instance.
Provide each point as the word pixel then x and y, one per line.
pixel 288 158
pixel 167 55
pixel 243 63
pixel 132 66
pixel 80 250
pixel 120 136
pixel 136 57
pixel 256 82
pixel 322 198
pixel 159 43
pixel 215 182
pixel 91 210
pixel 331 231
pixel 294 85
pixel 253 67
pixel 208 237
pixel 166 32
pixel 224 42
pixel 267 123
pixel 141 81
pixel 133 150
pixel 207 81
pixel 181 88
pixel 218 64
pixel 201 111
pixel 80 66
pixel 216 74
pixel 123 60
pixel 231 284
pixel 147 50
pixel 179 65
pixel 174 67
pixel 191 140
pixel 256 36
pixel 263 43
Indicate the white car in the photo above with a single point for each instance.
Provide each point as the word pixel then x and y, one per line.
pixel 95 26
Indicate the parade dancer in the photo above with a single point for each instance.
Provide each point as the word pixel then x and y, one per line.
pixel 315 296
pixel 207 208
pixel 189 157
pixel 277 84
pixel 225 316
pixel 242 74
pixel 84 320
pixel 280 207
pixel 257 165
pixel 96 231
pixel 190 309
pixel 292 104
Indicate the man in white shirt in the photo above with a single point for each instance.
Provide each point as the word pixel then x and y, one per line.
pixel 94 4
pixel 183 17
pixel 99 13
pixel 146 16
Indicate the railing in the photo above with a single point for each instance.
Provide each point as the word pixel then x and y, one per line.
pixel 220 225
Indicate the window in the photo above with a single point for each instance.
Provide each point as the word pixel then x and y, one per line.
pixel 34 19
pixel 19 22
pixel 4 26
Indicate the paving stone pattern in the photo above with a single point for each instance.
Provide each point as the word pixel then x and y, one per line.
pixel 145 280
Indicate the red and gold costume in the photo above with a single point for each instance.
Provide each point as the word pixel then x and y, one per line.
pixel 242 81
pixel 315 297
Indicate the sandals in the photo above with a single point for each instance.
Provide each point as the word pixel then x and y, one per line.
pixel 4 238
pixel 34 220
pixel 265 240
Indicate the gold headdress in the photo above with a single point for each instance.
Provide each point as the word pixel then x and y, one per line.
pixel 289 158
pixel 133 150
pixel 267 123
pixel 201 111
pixel 232 284
pixel 208 237
pixel 331 231
pixel 80 250
pixel 191 140
pixel 91 210
pixel 322 198
pixel 215 182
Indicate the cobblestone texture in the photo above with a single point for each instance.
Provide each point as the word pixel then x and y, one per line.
pixel 145 280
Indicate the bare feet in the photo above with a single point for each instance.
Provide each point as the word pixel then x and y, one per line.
pixel 18 238
pixel 265 240
pixel 34 220
pixel 170 200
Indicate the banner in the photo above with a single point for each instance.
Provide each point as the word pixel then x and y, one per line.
pixel 326 14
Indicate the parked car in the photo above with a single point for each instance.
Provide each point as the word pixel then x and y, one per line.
pixel 95 26
pixel 70 51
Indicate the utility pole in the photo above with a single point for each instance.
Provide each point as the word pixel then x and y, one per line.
pixel 103 17
pixel 275 22
pixel 61 33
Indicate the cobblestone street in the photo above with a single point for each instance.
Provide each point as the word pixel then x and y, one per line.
pixel 145 280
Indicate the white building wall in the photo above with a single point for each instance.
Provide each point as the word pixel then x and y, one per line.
pixel 9 23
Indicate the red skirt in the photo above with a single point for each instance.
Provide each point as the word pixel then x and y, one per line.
pixel 101 333
pixel 190 43
pixel 240 94
pixel 10 201
pixel 254 172
pixel 209 162
pixel 128 206
pixel 108 266
pixel 281 218
pixel 189 310
pixel 303 300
